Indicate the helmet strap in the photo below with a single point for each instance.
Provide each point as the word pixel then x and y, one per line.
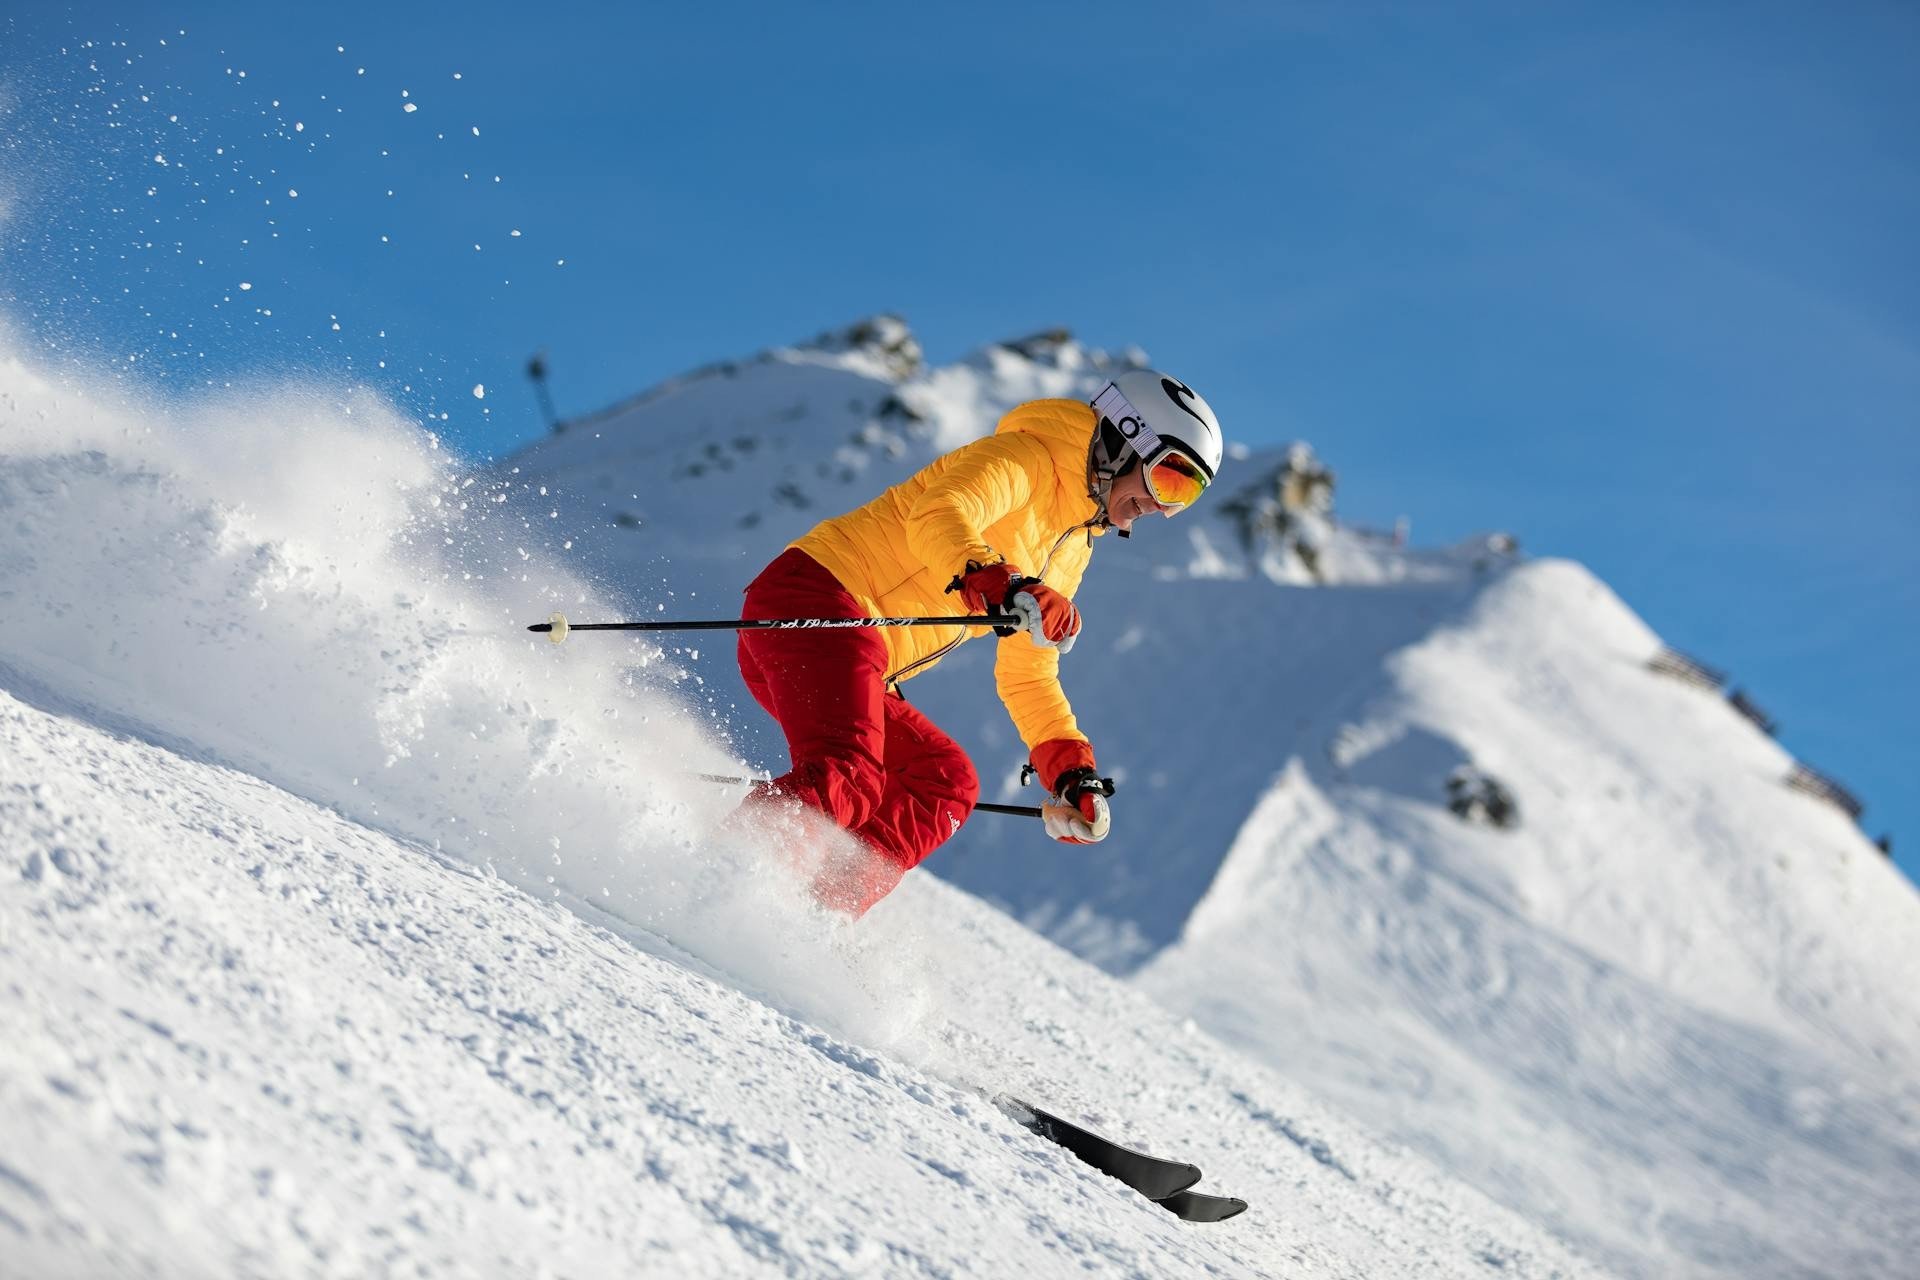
pixel 1102 470
pixel 1100 476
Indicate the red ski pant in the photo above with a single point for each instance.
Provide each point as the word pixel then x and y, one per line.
pixel 864 757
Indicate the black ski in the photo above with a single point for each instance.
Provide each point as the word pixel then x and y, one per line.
pixel 1153 1177
pixel 1198 1206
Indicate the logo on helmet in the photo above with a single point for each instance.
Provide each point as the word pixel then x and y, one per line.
pixel 1175 390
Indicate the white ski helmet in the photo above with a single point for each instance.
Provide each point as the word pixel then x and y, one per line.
pixel 1148 414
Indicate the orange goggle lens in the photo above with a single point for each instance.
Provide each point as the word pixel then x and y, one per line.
pixel 1175 481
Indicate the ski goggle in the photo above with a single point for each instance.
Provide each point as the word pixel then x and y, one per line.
pixel 1175 481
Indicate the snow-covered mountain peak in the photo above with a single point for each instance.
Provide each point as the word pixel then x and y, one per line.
pixel 288 786
pixel 1665 1004
pixel 882 340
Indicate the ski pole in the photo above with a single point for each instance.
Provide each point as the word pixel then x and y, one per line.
pixel 557 628
pixel 1016 810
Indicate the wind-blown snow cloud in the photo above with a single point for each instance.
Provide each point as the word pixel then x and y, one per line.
pixel 299 583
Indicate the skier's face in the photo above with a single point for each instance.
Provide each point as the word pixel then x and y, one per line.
pixel 1129 499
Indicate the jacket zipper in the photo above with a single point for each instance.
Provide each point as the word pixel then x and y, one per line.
pixel 1085 524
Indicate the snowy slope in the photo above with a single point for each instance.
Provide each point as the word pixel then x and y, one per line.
pixel 335 913
pixel 1673 1015
pixel 248 1036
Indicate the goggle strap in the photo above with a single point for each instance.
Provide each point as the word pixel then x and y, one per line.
pixel 1114 406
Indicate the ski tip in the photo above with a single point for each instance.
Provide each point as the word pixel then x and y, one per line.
pixel 1198 1206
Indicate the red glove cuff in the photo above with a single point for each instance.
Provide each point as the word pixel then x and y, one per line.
pixel 1059 755
pixel 1058 618
pixel 986 587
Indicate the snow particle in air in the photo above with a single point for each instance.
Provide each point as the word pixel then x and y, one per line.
pixel 479 391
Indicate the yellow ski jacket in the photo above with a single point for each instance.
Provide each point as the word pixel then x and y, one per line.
pixel 1018 495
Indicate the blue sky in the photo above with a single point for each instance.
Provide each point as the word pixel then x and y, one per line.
pixel 1637 282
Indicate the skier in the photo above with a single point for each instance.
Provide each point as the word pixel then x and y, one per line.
pixel 999 523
